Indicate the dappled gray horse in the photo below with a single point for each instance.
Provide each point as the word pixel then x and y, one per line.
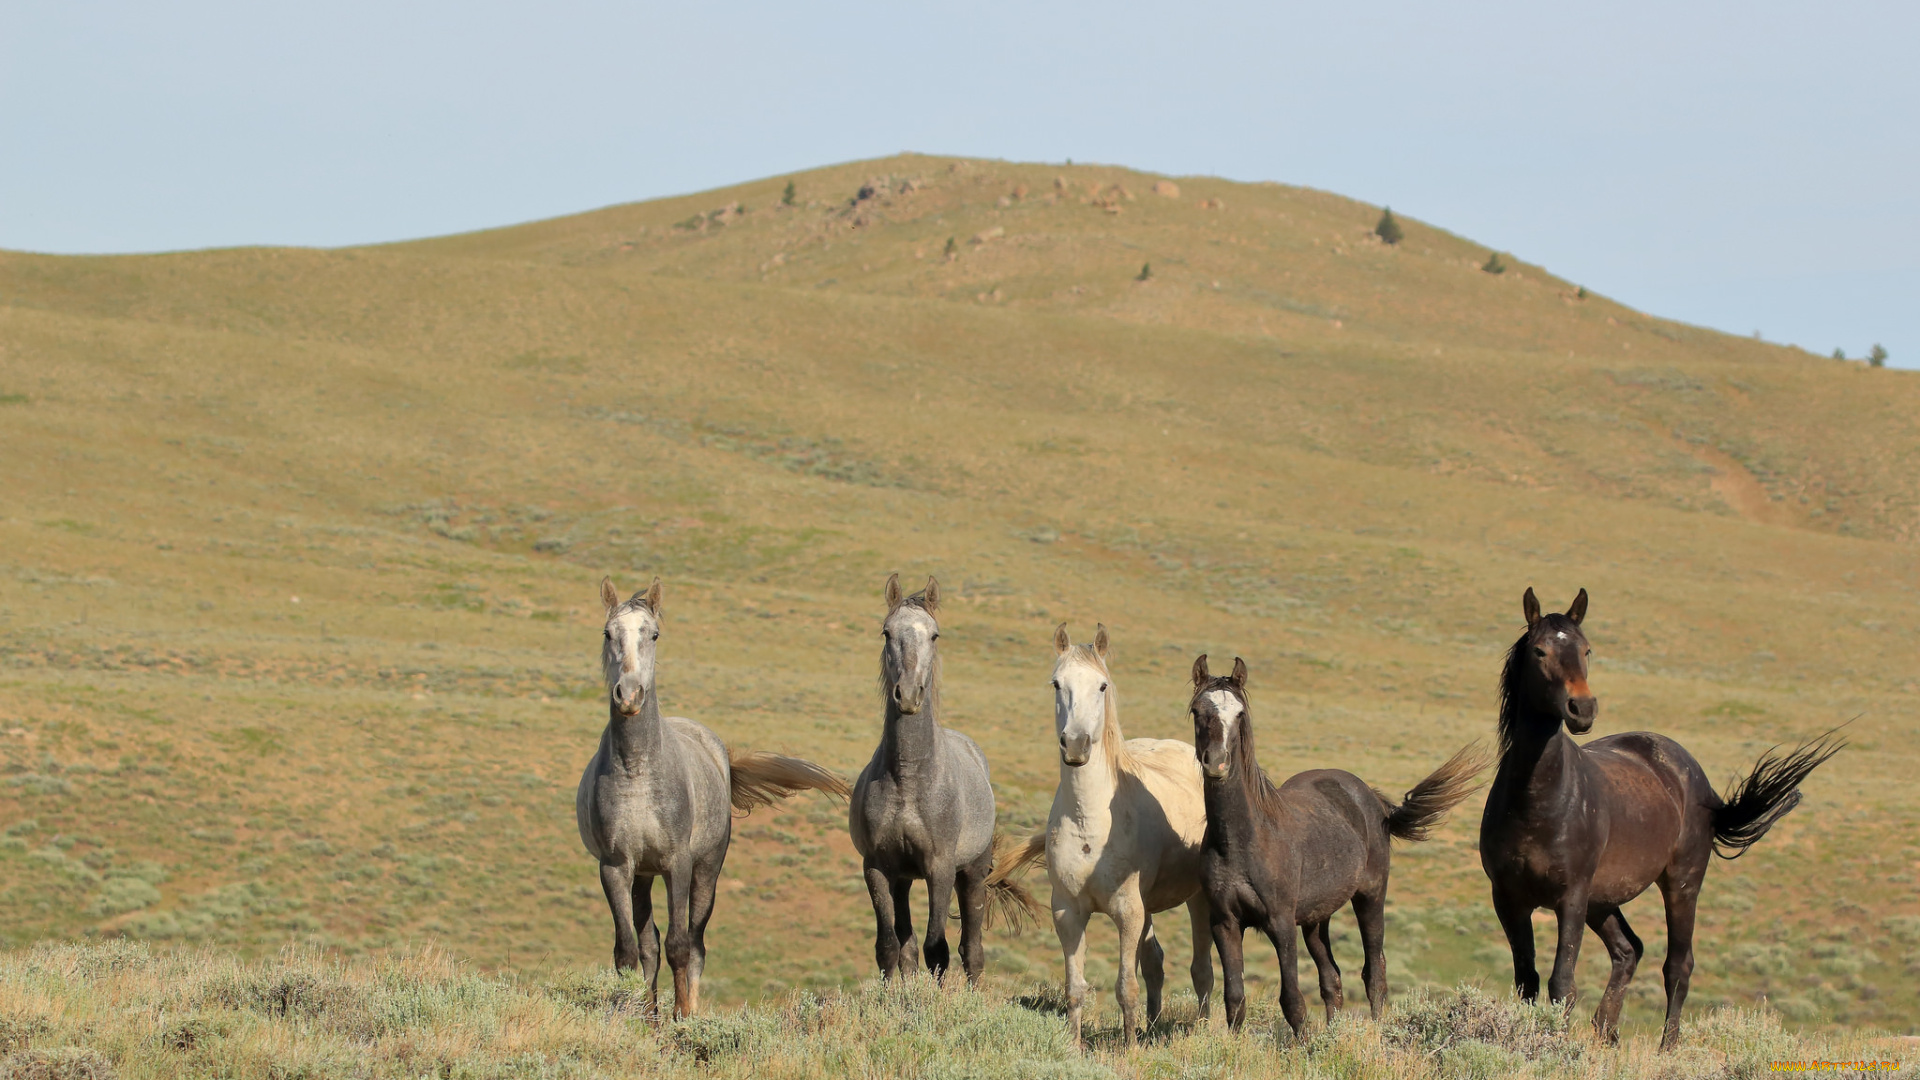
pixel 923 807
pixel 657 800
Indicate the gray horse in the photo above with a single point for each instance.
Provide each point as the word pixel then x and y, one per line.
pixel 657 800
pixel 923 807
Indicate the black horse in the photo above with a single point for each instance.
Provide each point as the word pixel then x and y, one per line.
pixel 1279 857
pixel 1581 830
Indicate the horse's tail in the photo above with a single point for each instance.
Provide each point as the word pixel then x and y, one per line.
pixel 1431 798
pixel 1765 795
pixel 1008 900
pixel 762 779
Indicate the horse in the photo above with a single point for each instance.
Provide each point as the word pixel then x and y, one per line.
pixel 1280 857
pixel 923 808
pixel 1123 837
pixel 1582 829
pixel 655 800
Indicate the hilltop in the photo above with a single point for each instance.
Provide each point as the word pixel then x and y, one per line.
pixel 298 552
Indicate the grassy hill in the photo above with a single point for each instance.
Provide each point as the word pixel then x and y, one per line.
pixel 298 554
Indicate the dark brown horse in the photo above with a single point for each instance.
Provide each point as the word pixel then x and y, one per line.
pixel 1581 830
pixel 1279 857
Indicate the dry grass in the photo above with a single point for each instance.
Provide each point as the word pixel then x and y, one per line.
pixel 1343 463
pixel 68 1012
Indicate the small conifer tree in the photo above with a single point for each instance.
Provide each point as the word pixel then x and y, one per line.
pixel 1493 265
pixel 1388 230
pixel 786 197
pixel 1877 356
pixel 1839 354
pixel 1146 272
pixel 953 250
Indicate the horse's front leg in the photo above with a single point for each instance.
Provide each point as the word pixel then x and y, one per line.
pixel 1130 918
pixel 617 883
pixel 1571 914
pixel 679 938
pixel 886 942
pixel 939 899
pixel 1070 924
pixel 1227 933
pixel 1280 930
pixel 1516 918
pixel 1199 917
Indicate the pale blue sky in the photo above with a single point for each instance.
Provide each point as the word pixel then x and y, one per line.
pixel 1741 165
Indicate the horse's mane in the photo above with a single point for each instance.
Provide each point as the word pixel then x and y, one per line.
pixel 931 704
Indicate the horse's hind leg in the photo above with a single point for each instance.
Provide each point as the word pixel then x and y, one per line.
pixel 648 934
pixel 617 883
pixel 1516 918
pixel 706 882
pixel 1320 946
pixel 886 942
pixel 1682 898
pixel 1371 913
pixel 939 902
pixel 1202 971
pixel 971 883
pixel 1625 950
pixel 1153 969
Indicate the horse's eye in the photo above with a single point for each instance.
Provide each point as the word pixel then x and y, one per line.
pixel 1589 652
pixel 1056 684
pixel 936 635
pixel 608 634
pixel 656 635
pixel 1103 688
pixel 1539 652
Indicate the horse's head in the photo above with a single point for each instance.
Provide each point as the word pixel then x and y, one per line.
pixel 909 657
pixel 626 656
pixel 1219 710
pixel 1082 694
pixel 1549 664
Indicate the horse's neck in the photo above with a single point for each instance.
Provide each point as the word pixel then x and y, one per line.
pixel 1539 773
pixel 635 740
pixel 1086 793
pixel 1230 814
pixel 908 744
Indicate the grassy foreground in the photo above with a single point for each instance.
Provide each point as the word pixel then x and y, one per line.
pixel 122 1009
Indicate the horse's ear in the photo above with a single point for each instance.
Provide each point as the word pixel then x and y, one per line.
pixel 1200 673
pixel 1100 641
pixel 1578 609
pixel 609 595
pixel 932 601
pixel 1531 605
pixel 1239 675
pixel 653 597
pixel 1061 642
pixel 893 592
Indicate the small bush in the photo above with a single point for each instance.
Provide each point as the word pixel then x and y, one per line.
pixel 1494 265
pixel 1388 230
pixel 786 197
pixel 1877 356
pixel 1146 272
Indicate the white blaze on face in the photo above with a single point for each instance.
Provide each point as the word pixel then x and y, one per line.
pixel 1079 699
pixel 1227 707
pixel 631 647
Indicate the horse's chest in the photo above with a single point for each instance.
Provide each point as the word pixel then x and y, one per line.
pixel 636 823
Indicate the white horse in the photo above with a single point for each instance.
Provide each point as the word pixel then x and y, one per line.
pixel 1123 838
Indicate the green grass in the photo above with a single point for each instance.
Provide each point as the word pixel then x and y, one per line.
pixel 298 556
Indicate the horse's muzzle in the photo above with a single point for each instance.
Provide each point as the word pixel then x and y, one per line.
pixel 1215 770
pixel 627 700
pixel 1581 712
pixel 907 701
pixel 1075 750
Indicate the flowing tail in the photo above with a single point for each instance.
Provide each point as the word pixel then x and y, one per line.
pixel 1007 899
pixel 1431 798
pixel 1765 795
pixel 762 779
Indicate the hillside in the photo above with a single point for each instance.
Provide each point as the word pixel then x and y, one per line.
pixel 298 553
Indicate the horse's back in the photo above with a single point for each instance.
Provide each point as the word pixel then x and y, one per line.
pixel 1658 804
